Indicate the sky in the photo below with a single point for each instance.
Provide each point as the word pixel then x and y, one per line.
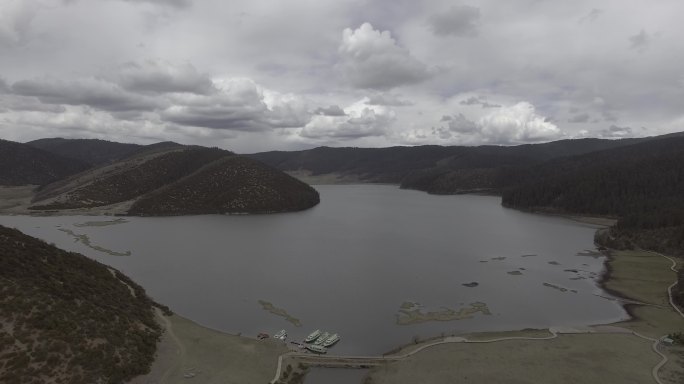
pixel 254 75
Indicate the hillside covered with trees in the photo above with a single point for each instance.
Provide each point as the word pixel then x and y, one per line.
pixel 68 319
pixel 642 185
pixel 171 179
pixel 431 168
pixel 90 151
pixel 21 164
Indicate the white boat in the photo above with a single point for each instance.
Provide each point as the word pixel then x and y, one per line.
pixel 331 340
pixel 322 338
pixel 313 336
pixel 282 335
pixel 316 348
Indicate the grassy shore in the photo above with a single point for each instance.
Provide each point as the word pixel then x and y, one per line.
pixel 570 358
pixel 607 355
pixel 189 352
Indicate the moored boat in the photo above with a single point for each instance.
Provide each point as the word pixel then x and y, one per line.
pixel 282 335
pixel 331 340
pixel 313 336
pixel 322 338
pixel 316 348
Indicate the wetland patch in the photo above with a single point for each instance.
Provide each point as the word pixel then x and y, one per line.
pixel 413 314
pixel 267 306
pixel 102 223
pixel 85 240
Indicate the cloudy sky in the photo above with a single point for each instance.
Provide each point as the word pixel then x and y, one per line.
pixel 253 75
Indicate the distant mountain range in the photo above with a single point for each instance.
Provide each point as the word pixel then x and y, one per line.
pixel 639 181
pixel 90 151
pixel 159 179
pixel 434 169
pixel 21 164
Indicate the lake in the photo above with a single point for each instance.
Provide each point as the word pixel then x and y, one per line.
pixel 376 264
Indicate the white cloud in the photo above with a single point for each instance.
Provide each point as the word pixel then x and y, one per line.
pixel 91 91
pixel 615 131
pixel 373 59
pixel 517 124
pixel 361 120
pixel 239 104
pixel 162 76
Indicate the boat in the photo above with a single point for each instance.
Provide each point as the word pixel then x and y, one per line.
pixel 322 338
pixel 313 336
pixel 282 335
pixel 316 348
pixel 331 340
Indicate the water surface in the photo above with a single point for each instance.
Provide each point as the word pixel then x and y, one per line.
pixel 349 264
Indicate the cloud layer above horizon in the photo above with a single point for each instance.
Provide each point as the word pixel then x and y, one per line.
pixel 259 75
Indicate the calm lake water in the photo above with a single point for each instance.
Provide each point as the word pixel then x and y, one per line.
pixel 349 264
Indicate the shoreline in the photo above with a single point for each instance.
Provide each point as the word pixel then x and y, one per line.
pixel 577 336
pixel 602 282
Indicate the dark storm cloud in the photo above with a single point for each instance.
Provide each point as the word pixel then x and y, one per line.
pixel 236 119
pixel 460 124
pixel 10 102
pixel 615 131
pixel 237 105
pixel 162 77
pixel 388 100
pixel 640 41
pixel 172 3
pixel 481 101
pixel 591 16
pixel 461 20
pixel 579 118
pixel 93 92
pixel 333 110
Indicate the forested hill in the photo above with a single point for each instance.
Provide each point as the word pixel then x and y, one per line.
pixel 90 151
pixel 641 184
pixel 21 164
pixel 69 319
pixel 431 168
pixel 171 179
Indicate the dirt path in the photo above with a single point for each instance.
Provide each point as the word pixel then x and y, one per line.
pixel 182 353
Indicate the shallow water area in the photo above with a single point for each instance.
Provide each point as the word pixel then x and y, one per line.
pixel 350 264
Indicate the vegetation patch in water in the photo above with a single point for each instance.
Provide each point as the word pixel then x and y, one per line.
pixel 417 316
pixel 104 223
pixel 558 287
pixel 86 241
pixel 267 306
